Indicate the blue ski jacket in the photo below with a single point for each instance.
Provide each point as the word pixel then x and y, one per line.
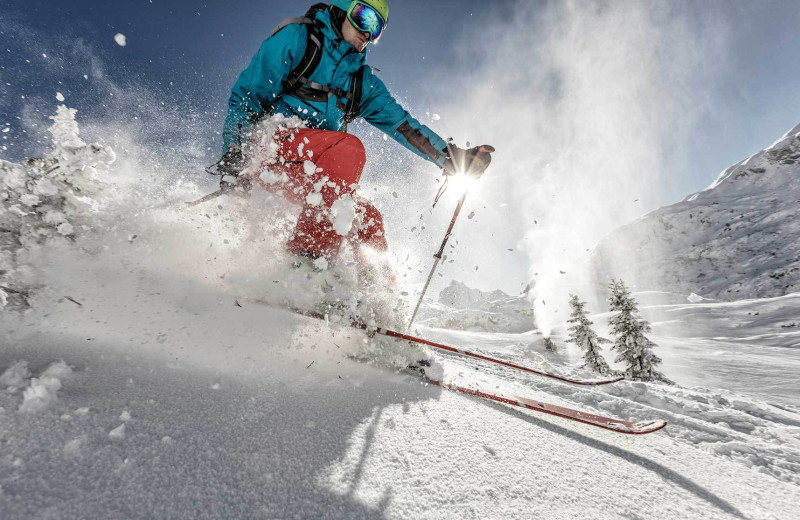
pixel 260 89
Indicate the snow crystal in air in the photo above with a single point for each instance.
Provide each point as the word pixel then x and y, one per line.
pixel 60 96
pixel 321 263
pixel 269 177
pixel 120 39
pixel 343 211
pixel 313 199
pixel 436 117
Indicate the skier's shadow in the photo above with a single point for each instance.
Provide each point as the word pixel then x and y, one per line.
pixel 660 469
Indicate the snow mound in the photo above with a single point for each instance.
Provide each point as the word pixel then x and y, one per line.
pixel 739 238
pixel 15 377
pixel 118 433
pixel 42 392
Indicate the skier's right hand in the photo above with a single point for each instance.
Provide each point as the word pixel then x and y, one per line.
pixel 241 184
pixel 231 163
pixel 472 162
pixel 230 167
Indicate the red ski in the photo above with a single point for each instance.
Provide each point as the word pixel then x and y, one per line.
pixel 399 335
pixel 600 421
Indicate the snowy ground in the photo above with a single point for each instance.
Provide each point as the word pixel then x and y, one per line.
pixel 224 417
pixel 171 401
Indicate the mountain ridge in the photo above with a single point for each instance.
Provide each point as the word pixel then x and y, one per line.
pixel 738 238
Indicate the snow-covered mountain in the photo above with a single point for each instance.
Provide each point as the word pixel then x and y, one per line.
pixel 463 308
pixel 459 296
pixel 738 238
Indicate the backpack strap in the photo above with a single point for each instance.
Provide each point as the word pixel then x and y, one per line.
pixel 353 108
pixel 299 84
pixel 308 64
pixel 308 18
pixel 290 21
pixel 310 61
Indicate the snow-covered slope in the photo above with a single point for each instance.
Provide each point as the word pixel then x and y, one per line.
pixel 739 238
pixel 167 412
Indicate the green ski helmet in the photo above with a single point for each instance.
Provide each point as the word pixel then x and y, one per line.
pixel 382 6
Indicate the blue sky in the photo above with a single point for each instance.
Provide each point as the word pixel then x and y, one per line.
pixel 200 46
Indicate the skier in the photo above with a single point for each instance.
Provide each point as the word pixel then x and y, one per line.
pixel 314 68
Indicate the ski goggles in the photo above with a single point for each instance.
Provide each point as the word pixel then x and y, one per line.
pixel 366 19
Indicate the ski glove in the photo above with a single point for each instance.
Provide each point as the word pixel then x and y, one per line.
pixel 472 162
pixel 229 168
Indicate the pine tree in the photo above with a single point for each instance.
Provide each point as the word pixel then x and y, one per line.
pixel 581 334
pixel 633 347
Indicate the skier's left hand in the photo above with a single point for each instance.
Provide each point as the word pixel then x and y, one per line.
pixel 472 162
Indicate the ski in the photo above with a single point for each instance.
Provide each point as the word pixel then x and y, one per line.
pixel 441 346
pixel 600 421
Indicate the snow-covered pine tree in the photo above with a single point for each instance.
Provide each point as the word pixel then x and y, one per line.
pixel 46 199
pixel 581 334
pixel 634 348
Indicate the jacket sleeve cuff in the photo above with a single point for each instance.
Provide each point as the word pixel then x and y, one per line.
pixel 424 141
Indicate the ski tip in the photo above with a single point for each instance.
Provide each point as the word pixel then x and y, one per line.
pixel 643 427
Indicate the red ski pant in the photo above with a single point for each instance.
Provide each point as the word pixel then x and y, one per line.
pixel 338 160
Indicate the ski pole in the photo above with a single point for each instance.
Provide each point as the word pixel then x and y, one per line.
pixel 438 256
pixel 208 197
pixel 215 194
